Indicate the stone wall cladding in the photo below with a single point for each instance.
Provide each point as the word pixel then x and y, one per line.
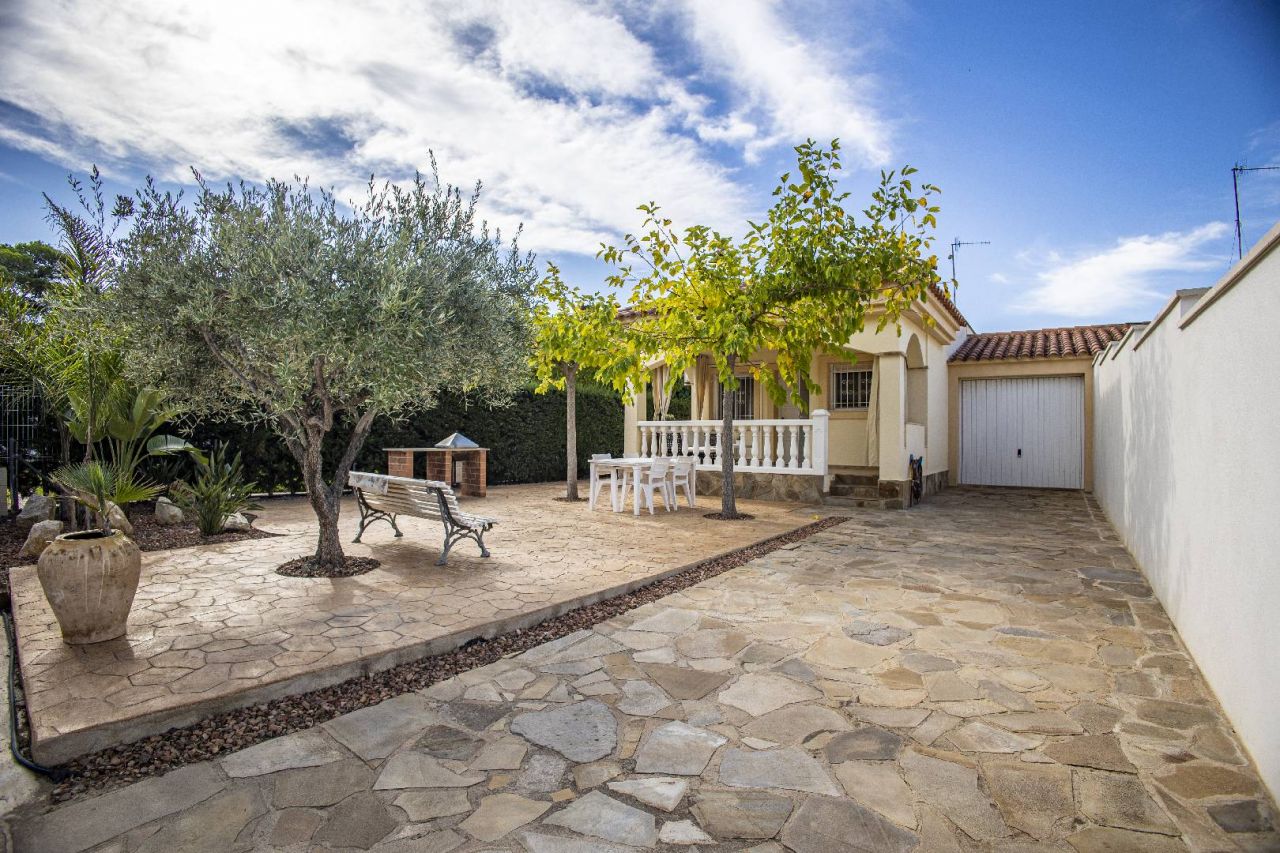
pixel 790 488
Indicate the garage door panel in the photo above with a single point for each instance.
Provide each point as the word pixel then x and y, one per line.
pixel 1043 417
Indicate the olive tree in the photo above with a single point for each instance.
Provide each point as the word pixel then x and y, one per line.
pixel 800 282
pixel 278 300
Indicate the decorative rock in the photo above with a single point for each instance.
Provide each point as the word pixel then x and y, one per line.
pixel 660 793
pixel 1035 798
pixel 431 803
pixel 584 731
pixel 324 785
pixel 1197 781
pixel 1120 800
pixel 35 509
pixel 360 821
pixel 760 693
pixel 211 825
pixel 236 522
pixel 412 769
pixel 953 788
pixel 843 653
pixel 167 512
pixel 592 775
pixel 684 683
pixel 677 748
pixel 308 748
pixel 88 822
pixel 375 732
pixel 980 737
pixel 1101 752
pixel 1241 816
pixel 711 643
pixel 742 814
pixel 39 537
pixel 683 832
pixel 503 755
pixel 642 699
pixel 796 723
pixel 604 817
pixel 877 784
pixel 836 825
pixel 782 768
pixel 1105 839
pixel 869 742
pixel 499 814
pixel 875 633
pixel 447 742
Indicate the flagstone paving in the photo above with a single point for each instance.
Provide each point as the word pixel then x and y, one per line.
pixel 215 627
pixel 985 672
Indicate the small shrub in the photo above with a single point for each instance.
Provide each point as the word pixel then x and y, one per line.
pixel 217 491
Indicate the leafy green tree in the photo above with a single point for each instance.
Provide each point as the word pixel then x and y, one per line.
pixel 30 269
pixel 800 282
pixel 578 333
pixel 276 299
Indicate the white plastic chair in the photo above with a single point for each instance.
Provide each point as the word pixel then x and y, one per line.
pixel 598 477
pixel 652 479
pixel 683 477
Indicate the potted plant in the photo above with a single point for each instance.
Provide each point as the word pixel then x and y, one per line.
pixel 90 576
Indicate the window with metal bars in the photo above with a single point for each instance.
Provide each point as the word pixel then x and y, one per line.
pixel 743 399
pixel 850 387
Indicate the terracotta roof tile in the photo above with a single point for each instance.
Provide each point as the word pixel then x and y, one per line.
pixel 1067 342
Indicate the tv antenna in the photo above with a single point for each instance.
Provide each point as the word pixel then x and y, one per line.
pixel 955 247
pixel 1236 171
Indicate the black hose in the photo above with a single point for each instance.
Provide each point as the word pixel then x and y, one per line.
pixel 57 774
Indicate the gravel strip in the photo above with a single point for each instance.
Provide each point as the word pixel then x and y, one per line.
pixel 121 765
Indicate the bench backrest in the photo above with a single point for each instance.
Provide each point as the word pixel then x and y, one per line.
pixel 405 496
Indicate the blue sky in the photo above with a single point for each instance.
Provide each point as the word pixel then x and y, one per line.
pixel 1091 143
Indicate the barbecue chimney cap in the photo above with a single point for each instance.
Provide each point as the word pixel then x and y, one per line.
pixel 457 439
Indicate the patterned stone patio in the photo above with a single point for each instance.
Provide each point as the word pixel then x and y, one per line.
pixel 985 672
pixel 215 627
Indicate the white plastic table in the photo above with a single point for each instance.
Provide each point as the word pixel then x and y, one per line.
pixel 629 467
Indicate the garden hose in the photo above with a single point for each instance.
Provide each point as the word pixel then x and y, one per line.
pixel 56 774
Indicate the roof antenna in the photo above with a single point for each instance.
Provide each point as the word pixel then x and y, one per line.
pixel 1236 170
pixel 955 247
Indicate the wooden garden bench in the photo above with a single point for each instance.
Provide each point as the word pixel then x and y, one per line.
pixel 382 498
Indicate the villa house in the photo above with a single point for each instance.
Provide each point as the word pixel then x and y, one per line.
pixel 1008 408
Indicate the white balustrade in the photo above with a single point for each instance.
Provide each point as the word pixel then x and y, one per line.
pixel 775 446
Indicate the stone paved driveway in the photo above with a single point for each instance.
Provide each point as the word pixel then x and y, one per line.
pixel 986 672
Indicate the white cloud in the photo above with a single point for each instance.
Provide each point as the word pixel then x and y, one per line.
pixel 1122 277
pixel 564 109
pixel 798 87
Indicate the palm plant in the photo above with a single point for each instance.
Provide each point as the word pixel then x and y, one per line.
pixel 98 485
pixel 217 491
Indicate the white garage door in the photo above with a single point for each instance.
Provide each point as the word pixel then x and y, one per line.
pixel 1022 432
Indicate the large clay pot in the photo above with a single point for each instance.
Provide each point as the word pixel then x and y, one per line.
pixel 90 578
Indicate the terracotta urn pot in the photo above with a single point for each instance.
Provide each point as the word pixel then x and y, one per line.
pixel 90 578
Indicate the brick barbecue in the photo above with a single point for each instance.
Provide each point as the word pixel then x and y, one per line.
pixel 457 460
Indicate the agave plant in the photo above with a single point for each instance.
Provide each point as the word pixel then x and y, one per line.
pixel 98 485
pixel 217 491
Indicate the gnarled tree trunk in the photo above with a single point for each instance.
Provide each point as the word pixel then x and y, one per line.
pixel 325 496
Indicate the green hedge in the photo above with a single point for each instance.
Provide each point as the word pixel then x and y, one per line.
pixel 526 440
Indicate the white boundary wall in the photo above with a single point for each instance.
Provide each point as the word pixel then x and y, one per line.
pixel 1187 431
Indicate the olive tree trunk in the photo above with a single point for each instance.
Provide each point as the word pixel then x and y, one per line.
pixel 570 370
pixel 325 496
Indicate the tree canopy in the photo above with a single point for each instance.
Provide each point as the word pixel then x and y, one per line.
pixel 800 282
pixel 274 300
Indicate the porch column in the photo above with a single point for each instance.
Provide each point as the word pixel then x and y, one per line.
pixel 892 369
pixel 632 413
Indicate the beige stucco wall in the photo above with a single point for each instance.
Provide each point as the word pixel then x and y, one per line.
pixel 1016 368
